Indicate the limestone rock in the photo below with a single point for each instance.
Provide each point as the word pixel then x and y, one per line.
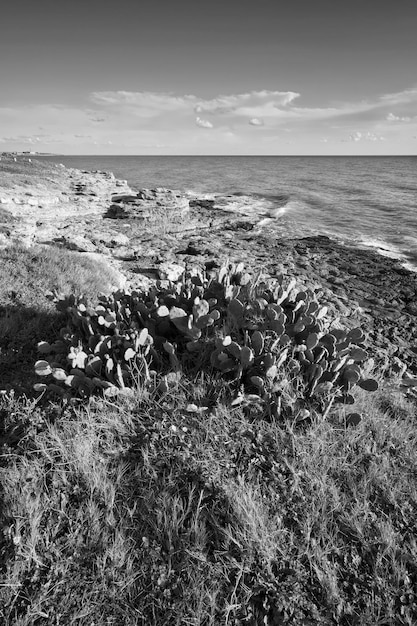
pixel 78 243
pixel 149 204
pixel 124 198
pixel 111 240
pixel 411 308
pixel 202 203
pixel 170 271
pixel 4 240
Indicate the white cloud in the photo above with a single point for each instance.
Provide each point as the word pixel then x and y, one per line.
pixel 31 139
pixel 145 122
pixel 400 97
pixel 368 136
pixel 274 106
pixel 203 123
pixel 143 99
pixel 19 139
pixel 395 118
pixel 238 103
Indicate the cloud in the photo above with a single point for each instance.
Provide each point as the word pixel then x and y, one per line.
pixel 31 139
pixel 237 103
pixel 276 107
pixel 400 97
pixel 254 104
pixel 147 122
pixel 395 118
pixel 19 139
pixel 368 136
pixel 142 103
pixel 255 121
pixel 203 123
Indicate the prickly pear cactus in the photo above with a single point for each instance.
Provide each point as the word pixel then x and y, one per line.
pixel 273 343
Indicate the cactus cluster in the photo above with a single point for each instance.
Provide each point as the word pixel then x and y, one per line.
pixel 273 343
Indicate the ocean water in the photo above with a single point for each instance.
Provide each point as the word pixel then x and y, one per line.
pixel 367 201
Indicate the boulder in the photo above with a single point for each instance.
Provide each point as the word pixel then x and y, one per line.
pixel 78 243
pixel 170 271
pixel 125 198
pixel 111 240
pixel 4 240
pixel 149 204
pixel 202 204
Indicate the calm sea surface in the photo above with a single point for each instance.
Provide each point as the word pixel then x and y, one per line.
pixel 366 200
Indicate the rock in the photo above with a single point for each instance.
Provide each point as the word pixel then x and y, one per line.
pixel 124 198
pixel 4 240
pixel 78 243
pixel 125 253
pixel 111 240
pixel 117 212
pixel 146 194
pixel 151 205
pixel 170 271
pixel 411 308
pixel 202 204
pixel 191 250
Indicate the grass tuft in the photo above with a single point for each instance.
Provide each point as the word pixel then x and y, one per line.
pixel 27 314
pixel 141 512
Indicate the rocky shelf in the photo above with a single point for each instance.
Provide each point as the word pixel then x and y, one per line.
pixel 155 234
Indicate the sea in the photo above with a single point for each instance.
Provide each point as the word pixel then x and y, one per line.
pixel 364 201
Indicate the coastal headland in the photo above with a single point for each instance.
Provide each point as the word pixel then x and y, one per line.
pixel 176 480
pixel 150 234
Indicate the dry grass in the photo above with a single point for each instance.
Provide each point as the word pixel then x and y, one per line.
pixel 144 513
pixel 27 315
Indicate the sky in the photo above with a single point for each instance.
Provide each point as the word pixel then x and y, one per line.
pixel 209 77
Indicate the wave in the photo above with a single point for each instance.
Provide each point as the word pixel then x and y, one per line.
pixel 383 247
pixel 262 206
pixel 274 214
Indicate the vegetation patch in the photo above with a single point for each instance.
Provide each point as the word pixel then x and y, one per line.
pixel 193 457
pixel 274 344
pixel 27 312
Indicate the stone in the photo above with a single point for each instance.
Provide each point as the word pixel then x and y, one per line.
pixel 125 198
pixel 111 240
pixel 4 240
pixel 202 204
pixel 191 250
pixel 170 271
pixel 411 308
pixel 78 243
pixel 150 205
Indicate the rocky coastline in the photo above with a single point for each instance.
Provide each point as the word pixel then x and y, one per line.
pixel 156 234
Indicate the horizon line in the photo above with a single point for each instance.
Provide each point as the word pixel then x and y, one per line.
pixel 40 154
